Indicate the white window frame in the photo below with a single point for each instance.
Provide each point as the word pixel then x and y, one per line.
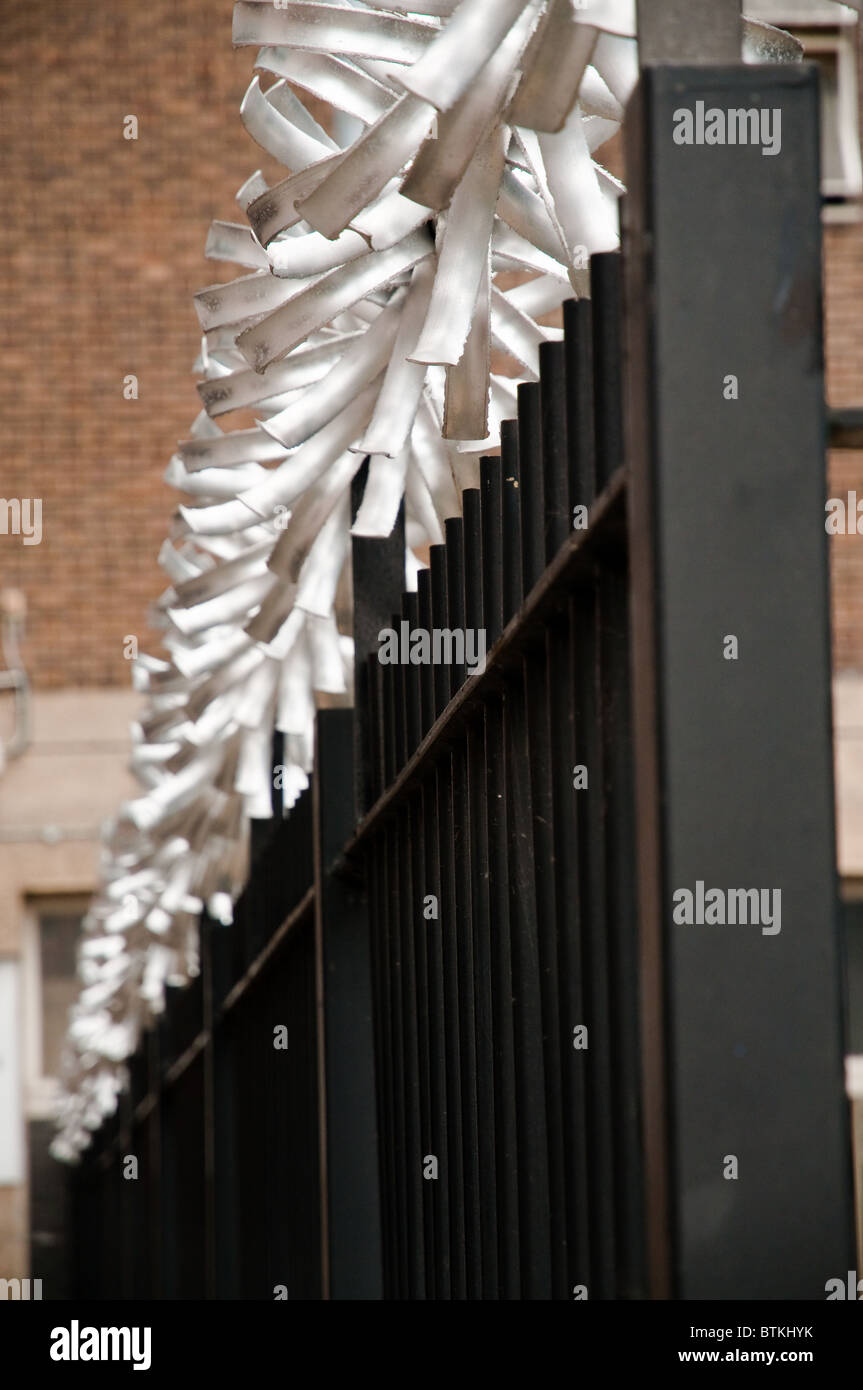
pixel 12 1140
pixel 823 31
pixel 41 1092
pixel 841 41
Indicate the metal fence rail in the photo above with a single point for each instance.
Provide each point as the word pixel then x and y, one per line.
pixel 215 1112
pixel 500 909
pixel 506 1008
pixel 510 1074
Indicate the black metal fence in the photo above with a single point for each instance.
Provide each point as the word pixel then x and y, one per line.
pixel 510 1073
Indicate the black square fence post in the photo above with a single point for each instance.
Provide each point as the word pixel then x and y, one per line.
pixel 747 1139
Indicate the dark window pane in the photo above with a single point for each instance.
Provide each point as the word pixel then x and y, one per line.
pixel 58 938
pixel 853 913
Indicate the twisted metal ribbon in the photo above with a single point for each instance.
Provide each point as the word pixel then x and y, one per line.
pixel 373 318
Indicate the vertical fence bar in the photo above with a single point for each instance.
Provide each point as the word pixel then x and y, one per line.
pixel 555 445
pixel 427 678
pixel 388 680
pixel 378 580
pixel 454 528
pixel 472 532
pixel 463 936
pixel 480 919
pixel 570 914
pixel 589 675
pixel 372 712
pixel 401 1154
pixel 513 585
pixel 449 927
pixel 352 1216
pixel 606 287
pixel 581 440
pixel 532 488
pixel 413 694
pixel 502 993
pixel 410 903
pixel 543 748
pixel 226 1197
pixel 381 1017
pixel 438 1139
pixel 534 1215
pixel 425 1041
pixel 463 857
pixel 529 1076
pixel 621 907
pixel 210 1118
pixel 400 728
pixel 426 1120
pixel 440 672
pixel 492 548
pixel 446 928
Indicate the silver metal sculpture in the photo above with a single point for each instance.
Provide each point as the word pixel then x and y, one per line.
pixel 363 324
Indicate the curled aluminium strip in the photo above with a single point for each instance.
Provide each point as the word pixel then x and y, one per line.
pixel 375 289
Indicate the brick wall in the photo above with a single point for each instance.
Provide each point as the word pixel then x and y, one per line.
pixel 101 247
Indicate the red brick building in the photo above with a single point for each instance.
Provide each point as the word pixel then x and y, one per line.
pixel 101 248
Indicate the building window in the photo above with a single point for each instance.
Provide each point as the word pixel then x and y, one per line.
pixel 852 913
pixel 52 987
pixel 58 940
pixel 51 936
pixel 829 34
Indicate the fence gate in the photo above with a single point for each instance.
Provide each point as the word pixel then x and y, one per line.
pixel 555 942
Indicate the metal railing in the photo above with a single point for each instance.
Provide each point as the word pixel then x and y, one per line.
pixel 510 1072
